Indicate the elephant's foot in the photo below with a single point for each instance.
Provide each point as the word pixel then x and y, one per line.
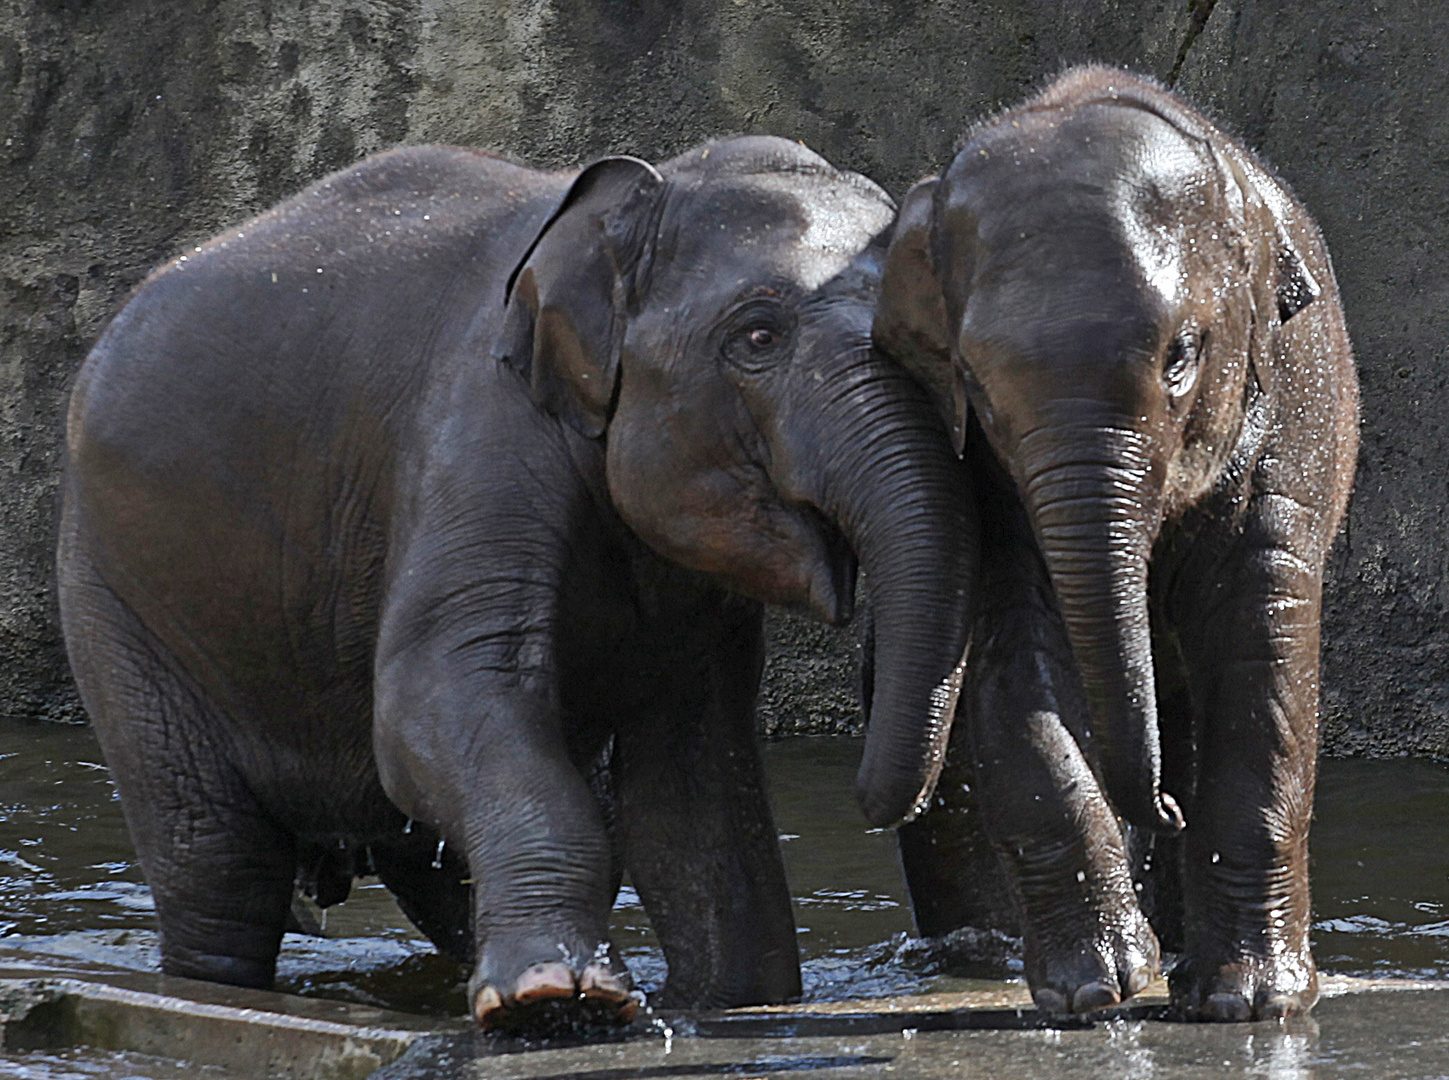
pixel 1100 965
pixel 232 970
pixel 549 996
pixel 1244 987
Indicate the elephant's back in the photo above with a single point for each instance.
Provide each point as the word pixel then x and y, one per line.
pixel 232 437
pixel 348 292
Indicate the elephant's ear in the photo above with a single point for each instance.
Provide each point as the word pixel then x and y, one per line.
pixel 1297 287
pixel 910 319
pixel 564 324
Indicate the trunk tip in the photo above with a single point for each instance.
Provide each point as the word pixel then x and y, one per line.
pixel 882 811
pixel 891 805
pixel 1143 804
pixel 1162 815
pixel 1169 814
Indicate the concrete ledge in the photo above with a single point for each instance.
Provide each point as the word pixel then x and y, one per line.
pixel 50 1003
pixel 41 1014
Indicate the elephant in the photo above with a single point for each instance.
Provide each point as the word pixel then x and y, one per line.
pixel 421 525
pixel 1133 331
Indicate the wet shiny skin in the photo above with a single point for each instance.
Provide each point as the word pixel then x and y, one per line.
pixel 69 881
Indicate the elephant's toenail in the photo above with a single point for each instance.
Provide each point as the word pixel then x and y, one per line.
pixel 1049 1000
pixel 1094 995
pixel 603 985
pixel 1226 1008
pixel 543 981
pixel 1277 1006
pixel 1138 981
pixel 487 1007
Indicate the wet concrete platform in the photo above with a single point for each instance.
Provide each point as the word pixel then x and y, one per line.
pixel 1364 1027
pixel 1370 1028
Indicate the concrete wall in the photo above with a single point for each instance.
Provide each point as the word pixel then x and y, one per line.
pixel 131 128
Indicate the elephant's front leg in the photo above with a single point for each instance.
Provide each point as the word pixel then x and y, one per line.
pixel 699 840
pixel 1087 943
pixel 490 770
pixel 1252 645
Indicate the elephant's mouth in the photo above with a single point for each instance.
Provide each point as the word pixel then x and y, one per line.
pixel 830 595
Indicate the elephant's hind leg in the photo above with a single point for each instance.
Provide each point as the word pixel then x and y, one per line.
pixel 431 888
pixel 698 837
pixel 221 872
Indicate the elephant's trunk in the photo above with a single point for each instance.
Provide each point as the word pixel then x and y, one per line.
pixel 1093 503
pixel 884 473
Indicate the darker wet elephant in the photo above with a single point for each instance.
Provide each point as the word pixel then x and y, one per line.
pixel 1134 330
pixel 364 568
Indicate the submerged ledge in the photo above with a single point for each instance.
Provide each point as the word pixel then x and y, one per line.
pixel 55 1003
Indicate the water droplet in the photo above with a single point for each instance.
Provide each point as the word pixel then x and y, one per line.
pixel 409 826
pixel 1081 876
pixel 438 856
pixel 1216 856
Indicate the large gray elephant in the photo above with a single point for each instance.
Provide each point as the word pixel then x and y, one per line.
pixel 364 570
pixel 1134 332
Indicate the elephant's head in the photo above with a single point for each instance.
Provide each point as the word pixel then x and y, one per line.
pixel 1100 280
pixel 710 321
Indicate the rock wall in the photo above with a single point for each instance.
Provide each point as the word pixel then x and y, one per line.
pixel 130 129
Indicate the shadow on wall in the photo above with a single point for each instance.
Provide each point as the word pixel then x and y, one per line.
pixel 131 130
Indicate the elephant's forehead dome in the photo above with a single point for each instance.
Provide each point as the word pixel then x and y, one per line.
pixel 837 217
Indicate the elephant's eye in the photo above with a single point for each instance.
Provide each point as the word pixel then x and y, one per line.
pixel 757 338
pixel 1180 369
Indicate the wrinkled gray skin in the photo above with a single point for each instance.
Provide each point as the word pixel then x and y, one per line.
pixel 362 569
pixel 1163 420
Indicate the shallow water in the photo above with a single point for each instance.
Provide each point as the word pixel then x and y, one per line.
pixel 87 1064
pixel 69 881
pixel 1399 1035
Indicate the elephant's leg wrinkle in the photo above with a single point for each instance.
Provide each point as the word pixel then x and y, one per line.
pixel 1255 668
pixel 541 870
pixel 699 839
